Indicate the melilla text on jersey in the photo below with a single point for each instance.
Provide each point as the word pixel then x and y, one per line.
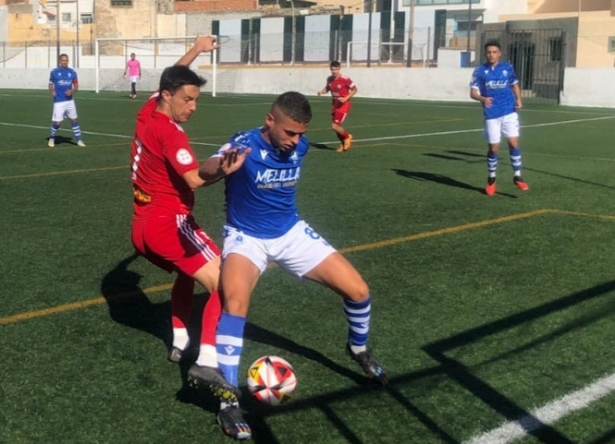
pixel 496 84
pixel 275 178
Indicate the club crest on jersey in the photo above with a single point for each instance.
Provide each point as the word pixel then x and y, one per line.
pixel 294 157
pixel 505 72
pixel 183 156
pixel 264 154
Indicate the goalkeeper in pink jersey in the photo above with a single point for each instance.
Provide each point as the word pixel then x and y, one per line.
pixel 133 68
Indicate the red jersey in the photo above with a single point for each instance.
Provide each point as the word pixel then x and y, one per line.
pixel 339 87
pixel 161 154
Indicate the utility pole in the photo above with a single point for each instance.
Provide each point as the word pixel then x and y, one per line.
pixel 369 34
pixel 57 31
pixel 469 31
pixel 410 33
pixel 293 32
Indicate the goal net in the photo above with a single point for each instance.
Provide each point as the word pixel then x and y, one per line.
pixel 154 54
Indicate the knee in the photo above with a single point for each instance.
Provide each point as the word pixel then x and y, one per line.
pixel 359 291
pixel 235 305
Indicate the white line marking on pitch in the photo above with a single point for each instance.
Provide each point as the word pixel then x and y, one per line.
pixel 548 414
pixel 375 139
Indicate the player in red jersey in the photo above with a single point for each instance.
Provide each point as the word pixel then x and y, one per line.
pixel 342 89
pixel 165 175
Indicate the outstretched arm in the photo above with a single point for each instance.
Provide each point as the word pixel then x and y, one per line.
pixel 215 168
pixel 201 44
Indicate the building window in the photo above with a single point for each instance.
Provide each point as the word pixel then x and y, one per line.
pixel 67 17
pixel 555 49
pixel 121 2
pixel 611 44
pixel 87 19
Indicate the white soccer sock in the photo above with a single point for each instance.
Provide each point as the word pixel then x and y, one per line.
pixel 356 349
pixel 207 356
pixel 180 338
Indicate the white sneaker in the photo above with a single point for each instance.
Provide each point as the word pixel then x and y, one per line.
pixel 51 143
pixel 81 144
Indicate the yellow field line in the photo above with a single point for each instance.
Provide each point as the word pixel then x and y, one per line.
pixel 100 300
pixel 74 305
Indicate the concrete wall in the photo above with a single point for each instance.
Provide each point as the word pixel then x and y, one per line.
pixel 589 87
pixel 448 84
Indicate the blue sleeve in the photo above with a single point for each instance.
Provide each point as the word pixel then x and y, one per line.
pixel 513 77
pixel 476 81
pixel 238 140
pixel 51 78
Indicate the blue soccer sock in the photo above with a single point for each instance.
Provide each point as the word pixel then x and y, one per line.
pixel 76 130
pixel 54 130
pixel 515 160
pixel 358 314
pixel 492 163
pixel 229 343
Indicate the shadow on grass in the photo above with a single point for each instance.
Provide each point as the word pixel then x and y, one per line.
pixel 444 180
pixel 322 146
pixel 481 389
pixel 63 140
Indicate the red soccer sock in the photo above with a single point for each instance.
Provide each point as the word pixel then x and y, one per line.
pixel 181 301
pixel 344 135
pixel 211 316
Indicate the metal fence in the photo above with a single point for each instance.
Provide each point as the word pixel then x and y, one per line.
pixel 539 59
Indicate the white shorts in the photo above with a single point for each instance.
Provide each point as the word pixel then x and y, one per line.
pixel 507 125
pixel 134 79
pixel 298 251
pixel 64 109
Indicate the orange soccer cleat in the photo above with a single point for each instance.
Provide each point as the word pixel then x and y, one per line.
pixel 521 184
pixel 490 188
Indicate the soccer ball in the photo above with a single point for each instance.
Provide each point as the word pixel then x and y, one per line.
pixel 271 380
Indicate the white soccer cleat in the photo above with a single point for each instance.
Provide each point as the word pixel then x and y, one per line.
pixel 51 143
pixel 81 144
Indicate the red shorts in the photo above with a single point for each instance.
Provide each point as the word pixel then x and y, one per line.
pixel 174 243
pixel 338 115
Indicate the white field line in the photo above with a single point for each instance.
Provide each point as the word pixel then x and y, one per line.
pixel 548 414
pixel 375 139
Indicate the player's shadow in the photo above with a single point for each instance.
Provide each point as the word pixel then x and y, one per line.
pixel 322 146
pixel 129 306
pixel 444 180
pixel 59 140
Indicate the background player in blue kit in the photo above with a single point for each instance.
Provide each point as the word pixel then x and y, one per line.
pixel 495 85
pixel 262 226
pixel 63 84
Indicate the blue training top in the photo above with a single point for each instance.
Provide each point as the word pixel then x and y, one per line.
pixel 62 80
pixel 496 82
pixel 261 195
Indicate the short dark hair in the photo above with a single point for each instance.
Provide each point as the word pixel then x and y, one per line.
pixel 492 43
pixel 174 77
pixel 335 64
pixel 62 55
pixel 295 105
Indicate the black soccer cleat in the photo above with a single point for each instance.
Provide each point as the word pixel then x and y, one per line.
pixel 373 369
pixel 231 420
pixel 211 377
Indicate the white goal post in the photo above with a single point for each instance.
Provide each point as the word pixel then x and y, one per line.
pixel 155 54
pixel 380 49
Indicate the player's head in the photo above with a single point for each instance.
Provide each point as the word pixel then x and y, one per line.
pixel 133 56
pixel 179 90
pixel 493 51
pixel 63 61
pixel 335 67
pixel 287 120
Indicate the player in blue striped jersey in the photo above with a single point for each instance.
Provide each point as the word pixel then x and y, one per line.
pixel 63 84
pixel 262 226
pixel 495 85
